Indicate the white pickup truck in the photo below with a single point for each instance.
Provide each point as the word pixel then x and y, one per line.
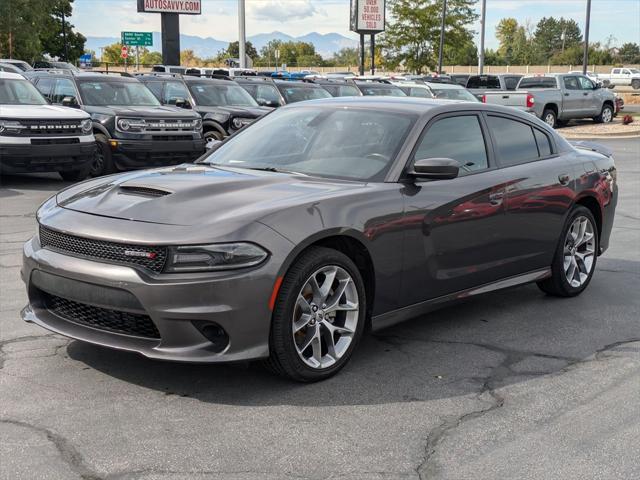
pixel 623 77
pixel 38 137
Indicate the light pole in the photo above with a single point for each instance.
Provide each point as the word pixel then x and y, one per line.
pixel 444 16
pixel 483 17
pixel 585 56
pixel 242 39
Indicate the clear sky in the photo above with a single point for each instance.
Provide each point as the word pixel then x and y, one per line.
pixel 106 18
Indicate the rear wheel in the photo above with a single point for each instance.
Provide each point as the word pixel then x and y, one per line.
pixel 318 318
pixel 213 135
pixel 575 258
pixel 103 162
pixel 606 115
pixel 549 117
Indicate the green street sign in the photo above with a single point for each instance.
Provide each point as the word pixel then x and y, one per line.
pixel 139 39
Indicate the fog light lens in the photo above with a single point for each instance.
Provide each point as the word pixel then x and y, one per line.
pixel 214 333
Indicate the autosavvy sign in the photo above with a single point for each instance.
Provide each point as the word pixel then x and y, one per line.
pixel 188 7
pixel 367 16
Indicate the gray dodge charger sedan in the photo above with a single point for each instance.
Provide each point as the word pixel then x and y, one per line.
pixel 291 238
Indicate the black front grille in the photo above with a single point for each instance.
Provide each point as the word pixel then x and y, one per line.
pixel 50 127
pixel 116 321
pixel 151 258
pixel 55 141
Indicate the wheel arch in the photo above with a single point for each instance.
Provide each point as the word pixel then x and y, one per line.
pixel 350 242
pixel 100 129
pixel 211 125
pixel 591 203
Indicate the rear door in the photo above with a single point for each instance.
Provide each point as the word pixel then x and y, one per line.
pixel 572 100
pixel 538 193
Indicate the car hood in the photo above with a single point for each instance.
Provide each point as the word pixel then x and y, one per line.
pixel 144 112
pixel 197 194
pixel 246 112
pixel 42 112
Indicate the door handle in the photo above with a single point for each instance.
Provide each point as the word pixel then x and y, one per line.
pixel 585 93
pixel 563 178
pixel 496 198
pixel 566 94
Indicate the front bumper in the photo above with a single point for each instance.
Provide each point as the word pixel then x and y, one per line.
pixel 138 154
pixel 26 158
pixel 237 302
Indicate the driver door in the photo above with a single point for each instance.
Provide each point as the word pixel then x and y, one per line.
pixel 455 228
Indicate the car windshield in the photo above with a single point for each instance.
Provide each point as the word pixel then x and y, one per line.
pixel 105 92
pixel 212 94
pixel 382 90
pixel 299 93
pixel 19 92
pixel 263 94
pixel 346 143
pixel 453 94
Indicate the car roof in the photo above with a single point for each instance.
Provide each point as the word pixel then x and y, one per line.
pixel 10 76
pixel 296 84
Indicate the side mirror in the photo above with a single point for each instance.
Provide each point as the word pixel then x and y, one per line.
pixel 69 102
pixel 597 86
pixel 436 168
pixel 180 102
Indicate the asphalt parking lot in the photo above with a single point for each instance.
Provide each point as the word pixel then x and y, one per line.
pixel 512 385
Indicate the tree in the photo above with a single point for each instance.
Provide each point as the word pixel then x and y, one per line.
pixel 233 50
pixel 347 57
pixel 629 53
pixel 413 31
pixel 189 59
pixel 30 29
pixel 506 32
pixel 553 36
pixel 111 54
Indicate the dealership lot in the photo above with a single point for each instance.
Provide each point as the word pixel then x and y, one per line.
pixel 510 385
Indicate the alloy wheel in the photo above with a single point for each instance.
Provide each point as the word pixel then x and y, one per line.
pixel 98 163
pixel 607 115
pixel 579 251
pixel 325 317
pixel 550 119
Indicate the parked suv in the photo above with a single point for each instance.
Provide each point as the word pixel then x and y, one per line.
pixel 132 129
pixel 337 87
pixel 38 137
pixel 223 105
pixel 263 90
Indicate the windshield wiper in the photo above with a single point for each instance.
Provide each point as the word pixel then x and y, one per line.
pixel 275 170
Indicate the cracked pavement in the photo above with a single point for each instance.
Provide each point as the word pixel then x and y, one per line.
pixel 512 385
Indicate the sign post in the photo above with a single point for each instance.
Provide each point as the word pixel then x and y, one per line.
pixel 367 18
pixel 170 21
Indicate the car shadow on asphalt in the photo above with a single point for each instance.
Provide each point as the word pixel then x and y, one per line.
pixel 493 340
pixel 40 182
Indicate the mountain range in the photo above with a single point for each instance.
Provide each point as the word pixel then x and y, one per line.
pixel 326 44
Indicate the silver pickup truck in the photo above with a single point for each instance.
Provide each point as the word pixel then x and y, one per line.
pixel 558 98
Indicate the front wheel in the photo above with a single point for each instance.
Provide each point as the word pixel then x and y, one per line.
pixel 102 162
pixel 575 258
pixel 606 115
pixel 318 318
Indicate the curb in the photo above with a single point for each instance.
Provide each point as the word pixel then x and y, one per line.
pixel 600 137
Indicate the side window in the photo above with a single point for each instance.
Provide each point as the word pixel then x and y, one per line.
pixel 174 90
pixel 459 138
pixel 626 72
pixel 585 83
pixel 156 89
pixel 571 83
pixel 544 144
pixel 616 71
pixel 64 88
pixel 420 92
pixel 44 85
pixel 511 82
pixel 515 143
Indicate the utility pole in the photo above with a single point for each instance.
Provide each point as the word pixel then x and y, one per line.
pixel 362 54
pixel 64 38
pixel 242 38
pixel 585 56
pixel 483 17
pixel 444 16
pixel 373 54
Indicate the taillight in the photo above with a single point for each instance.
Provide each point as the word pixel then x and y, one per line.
pixel 530 101
pixel 484 99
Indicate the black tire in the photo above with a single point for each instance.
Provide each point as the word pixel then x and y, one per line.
pixel 212 135
pixel 103 162
pixel 550 117
pixel 635 84
pixel 606 115
pixel 76 175
pixel 557 285
pixel 284 359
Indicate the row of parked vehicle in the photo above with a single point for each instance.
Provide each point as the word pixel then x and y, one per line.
pixel 94 123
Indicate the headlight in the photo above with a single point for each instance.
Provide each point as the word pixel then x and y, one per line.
pixel 238 123
pixel 10 127
pixel 206 258
pixel 131 124
pixel 197 124
pixel 86 126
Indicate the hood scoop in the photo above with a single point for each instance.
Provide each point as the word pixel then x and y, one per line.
pixel 143 191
